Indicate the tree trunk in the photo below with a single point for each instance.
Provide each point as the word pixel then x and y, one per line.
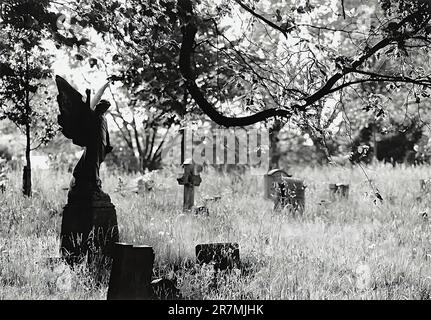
pixel 375 160
pixel 27 168
pixel 274 150
pixel 322 153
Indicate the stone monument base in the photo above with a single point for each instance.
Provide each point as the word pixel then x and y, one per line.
pixel 89 227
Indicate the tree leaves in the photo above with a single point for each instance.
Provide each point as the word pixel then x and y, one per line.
pixel 25 66
pixel 92 62
pixel 6 70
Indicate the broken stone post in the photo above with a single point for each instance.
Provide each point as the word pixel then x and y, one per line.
pixel 131 273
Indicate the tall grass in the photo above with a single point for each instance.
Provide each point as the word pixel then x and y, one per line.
pixel 320 255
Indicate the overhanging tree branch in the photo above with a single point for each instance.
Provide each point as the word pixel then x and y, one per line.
pixel 189 30
pixel 397 32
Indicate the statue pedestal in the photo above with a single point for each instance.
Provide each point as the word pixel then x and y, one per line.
pixel 90 227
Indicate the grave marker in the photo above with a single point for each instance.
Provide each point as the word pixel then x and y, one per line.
pixel 270 181
pixel 189 180
pixel 131 273
pixel 291 194
pixel 338 190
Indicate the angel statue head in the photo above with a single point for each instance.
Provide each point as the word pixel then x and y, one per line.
pixel 102 106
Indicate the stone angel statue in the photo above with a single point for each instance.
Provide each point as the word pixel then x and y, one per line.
pixel 83 121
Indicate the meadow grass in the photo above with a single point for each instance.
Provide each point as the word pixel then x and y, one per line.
pixel 357 248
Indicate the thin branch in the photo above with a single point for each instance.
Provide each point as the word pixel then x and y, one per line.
pixel 260 17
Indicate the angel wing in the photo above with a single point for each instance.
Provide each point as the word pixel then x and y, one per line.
pixel 74 112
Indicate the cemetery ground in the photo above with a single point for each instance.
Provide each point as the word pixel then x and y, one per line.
pixel 354 248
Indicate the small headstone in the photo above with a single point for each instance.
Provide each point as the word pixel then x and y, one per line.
pixel 270 181
pixel 131 273
pixel 291 195
pixel 338 190
pixel 201 210
pixel 223 255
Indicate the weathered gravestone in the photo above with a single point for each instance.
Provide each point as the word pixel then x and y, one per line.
pixel 270 181
pixel 89 224
pixel 338 190
pixel 223 255
pixel 290 195
pixel 131 273
pixel 189 180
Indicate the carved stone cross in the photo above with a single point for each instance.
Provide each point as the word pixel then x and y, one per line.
pixel 189 180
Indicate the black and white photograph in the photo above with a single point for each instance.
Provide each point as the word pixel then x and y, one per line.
pixel 213 156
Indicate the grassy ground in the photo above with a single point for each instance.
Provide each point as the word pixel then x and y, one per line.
pixel 350 249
